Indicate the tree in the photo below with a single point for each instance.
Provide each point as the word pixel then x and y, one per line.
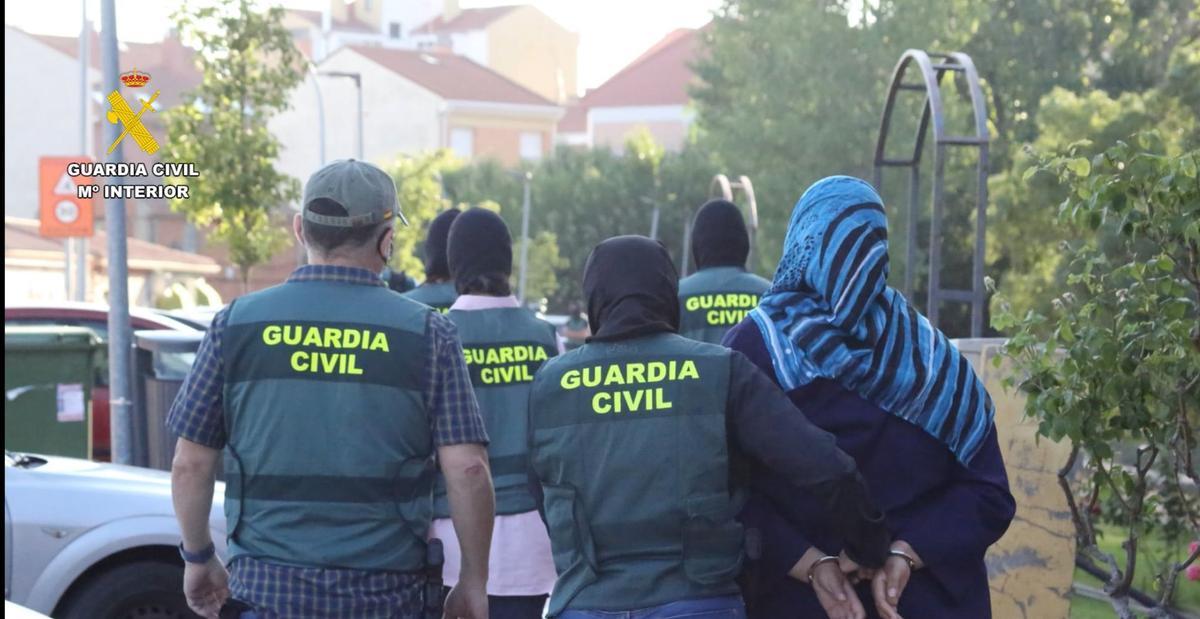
pixel 419 188
pixel 249 64
pixel 585 196
pixel 1117 360
pixel 792 91
pixel 545 264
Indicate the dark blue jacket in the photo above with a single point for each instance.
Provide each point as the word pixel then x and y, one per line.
pixel 949 513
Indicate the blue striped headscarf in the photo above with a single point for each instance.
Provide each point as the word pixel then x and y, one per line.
pixel 830 314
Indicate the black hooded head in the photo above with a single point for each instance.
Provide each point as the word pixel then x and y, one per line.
pixel 479 252
pixel 436 265
pixel 632 289
pixel 719 237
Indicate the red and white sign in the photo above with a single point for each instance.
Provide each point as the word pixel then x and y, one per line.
pixel 61 211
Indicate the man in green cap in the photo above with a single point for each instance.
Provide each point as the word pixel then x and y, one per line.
pixel 330 396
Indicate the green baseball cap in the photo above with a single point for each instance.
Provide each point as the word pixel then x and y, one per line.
pixel 364 190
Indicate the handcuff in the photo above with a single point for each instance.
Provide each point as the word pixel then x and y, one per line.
pixel 812 570
pixel 912 563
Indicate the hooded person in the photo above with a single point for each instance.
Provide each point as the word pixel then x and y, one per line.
pixel 640 440
pixel 900 399
pixel 437 291
pixel 721 292
pixel 504 344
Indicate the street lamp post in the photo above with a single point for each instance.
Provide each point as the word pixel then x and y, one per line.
pixel 312 70
pixel 521 280
pixel 357 77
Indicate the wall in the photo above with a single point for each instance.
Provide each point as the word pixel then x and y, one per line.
pixel 531 49
pixel 41 115
pixel 1031 568
pixel 398 117
pixel 499 137
pixel 611 126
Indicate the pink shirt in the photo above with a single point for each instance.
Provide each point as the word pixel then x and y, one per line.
pixel 520 562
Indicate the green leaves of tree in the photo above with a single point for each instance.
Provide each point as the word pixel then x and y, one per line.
pixel 248 63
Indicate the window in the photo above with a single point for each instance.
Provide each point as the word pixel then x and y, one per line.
pixel 394 30
pixel 531 145
pixel 462 142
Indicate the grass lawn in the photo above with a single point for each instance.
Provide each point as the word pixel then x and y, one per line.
pixel 1151 552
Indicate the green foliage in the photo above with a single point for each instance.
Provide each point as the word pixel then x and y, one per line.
pixel 792 91
pixel 545 265
pixel 585 196
pixel 1117 359
pixel 249 64
pixel 419 187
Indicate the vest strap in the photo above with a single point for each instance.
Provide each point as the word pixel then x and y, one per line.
pixel 323 488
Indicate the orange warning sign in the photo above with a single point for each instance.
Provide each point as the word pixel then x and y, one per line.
pixel 61 211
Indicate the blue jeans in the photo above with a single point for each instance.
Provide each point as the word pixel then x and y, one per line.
pixel 727 607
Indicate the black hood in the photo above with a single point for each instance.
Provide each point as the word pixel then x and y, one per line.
pixel 479 245
pixel 719 237
pixel 632 289
pixel 436 264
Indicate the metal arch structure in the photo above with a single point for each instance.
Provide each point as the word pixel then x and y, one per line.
pixel 930 68
pixel 722 187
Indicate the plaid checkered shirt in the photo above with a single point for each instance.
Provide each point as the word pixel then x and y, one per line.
pixel 197 415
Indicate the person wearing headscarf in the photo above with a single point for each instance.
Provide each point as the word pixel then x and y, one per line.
pixel 870 369
pixel 721 292
pixel 504 345
pixel 437 291
pixel 639 441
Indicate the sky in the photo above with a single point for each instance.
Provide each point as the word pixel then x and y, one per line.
pixel 611 32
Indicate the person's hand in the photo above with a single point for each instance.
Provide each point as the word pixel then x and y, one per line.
pixel 835 593
pixel 855 572
pixel 888 584
pixel 467 600
pixel 206 587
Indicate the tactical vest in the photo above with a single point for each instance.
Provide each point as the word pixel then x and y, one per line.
pixel 439 296
pixel 629 443
pixel 504 348
pixel 329 461
pixel 713 300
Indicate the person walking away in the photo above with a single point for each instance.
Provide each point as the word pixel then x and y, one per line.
pixel 437 291
pixel 899 398
pixel 575 332
pixel 330 395
pixel 721 292
pixel 639 441
pixel 504 344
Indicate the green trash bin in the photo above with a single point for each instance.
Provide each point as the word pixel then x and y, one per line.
pixel 48 377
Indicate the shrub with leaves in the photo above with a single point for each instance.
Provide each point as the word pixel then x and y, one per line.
pixel 1115 367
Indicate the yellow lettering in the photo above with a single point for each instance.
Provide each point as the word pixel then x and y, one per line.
pixel 635 373
pixel 271 335
pixel 292 335
pixel 656 371
pixel 352 366
pixel 692 304
pixel 594 379
pixel 599 408
pixel 614 376
pixel 380 342
pixel 312 337
pixel 351 338
pixel 333 338
pixel 299 361
pixel 689 370
pixel 570 379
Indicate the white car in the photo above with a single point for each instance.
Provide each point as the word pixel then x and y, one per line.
pixel 95 540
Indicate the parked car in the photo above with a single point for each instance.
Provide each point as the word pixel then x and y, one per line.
pixel 95 317
pixel 198 317
pixel 94 540
pixel 16 611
